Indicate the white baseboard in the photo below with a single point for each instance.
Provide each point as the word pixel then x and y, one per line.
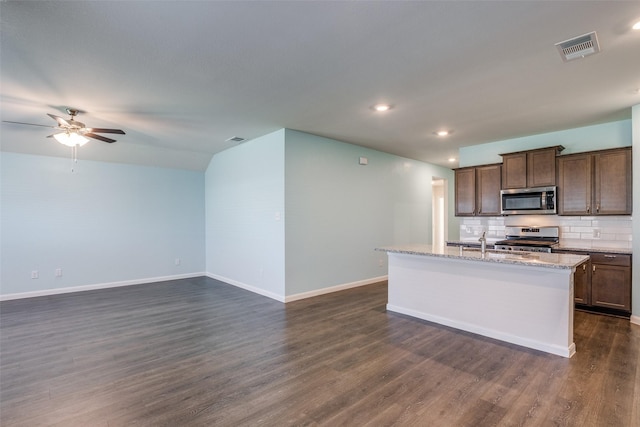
pixel 70 289
pixel 635 320
pixel 296 297
pixel 317 292
pixel 246 287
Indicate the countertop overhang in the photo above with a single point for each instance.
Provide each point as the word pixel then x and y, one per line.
pixel 533 259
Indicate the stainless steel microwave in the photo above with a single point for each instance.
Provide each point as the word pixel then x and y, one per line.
pixel 528 201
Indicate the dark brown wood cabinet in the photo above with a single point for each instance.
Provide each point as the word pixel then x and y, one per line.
pixel 574 184
pixel 465 191
pixel 611 281
pixel 612 182
pixel 514 170
pixel 595 183
pixel 477 190
pixel 582 283
pixel 533 168
pixel 603 283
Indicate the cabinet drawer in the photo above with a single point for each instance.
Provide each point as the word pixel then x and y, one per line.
pixel 611 259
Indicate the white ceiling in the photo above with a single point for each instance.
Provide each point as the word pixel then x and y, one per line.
pixel 181 77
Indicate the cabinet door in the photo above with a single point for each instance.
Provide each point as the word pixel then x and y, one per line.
pixel 465 192
pixel 613 182
pixel 611 286
pixel 582 284
pixel 514 170
pixel 574 184
pixel 488 190
pixel 541 168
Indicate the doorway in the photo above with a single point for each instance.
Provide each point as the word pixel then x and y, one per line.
pixel 439 223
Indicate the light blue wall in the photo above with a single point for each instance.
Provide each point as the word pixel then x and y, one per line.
pixel 104 223
pixel 338 211
pixel 290 212
pixel 245 215
pixel 589 138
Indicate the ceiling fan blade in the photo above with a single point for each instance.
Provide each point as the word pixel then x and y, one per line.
pixel 101 130
pixel 99 137
pixel 60 120
pixel 30 124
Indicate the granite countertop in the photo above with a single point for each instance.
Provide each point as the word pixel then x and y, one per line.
pixel 592 250
pixel 552 260
pixel 573 247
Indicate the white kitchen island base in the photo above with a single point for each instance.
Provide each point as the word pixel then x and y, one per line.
pixel 527 305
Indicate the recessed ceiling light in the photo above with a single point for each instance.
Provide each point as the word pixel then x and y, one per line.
pixel 452 159
pixel 636 26
pixel 381 107
pixel 443 132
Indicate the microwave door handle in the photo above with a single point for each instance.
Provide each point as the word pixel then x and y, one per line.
pixel 544 200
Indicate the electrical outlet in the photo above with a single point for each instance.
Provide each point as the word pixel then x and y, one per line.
pixel 58 272
pixel 177 261
pixel 596 233
pixel 35 274
pixel 380 262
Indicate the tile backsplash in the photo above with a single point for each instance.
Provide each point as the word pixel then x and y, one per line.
pixel 580 231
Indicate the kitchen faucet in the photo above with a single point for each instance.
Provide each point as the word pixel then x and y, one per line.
pixel 483 243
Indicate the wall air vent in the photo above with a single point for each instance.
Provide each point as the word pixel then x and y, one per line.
pixel 578 47
pixel 235 139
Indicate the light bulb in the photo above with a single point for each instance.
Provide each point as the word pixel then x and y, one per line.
pixel 70 139
pixel 382 107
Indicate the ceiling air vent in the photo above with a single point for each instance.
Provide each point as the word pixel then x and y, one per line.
pixel 235 139
pixel 579 47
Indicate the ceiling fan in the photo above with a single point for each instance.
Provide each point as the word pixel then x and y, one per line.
pixel 74 133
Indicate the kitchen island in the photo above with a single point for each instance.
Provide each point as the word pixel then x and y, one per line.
pixel 521 298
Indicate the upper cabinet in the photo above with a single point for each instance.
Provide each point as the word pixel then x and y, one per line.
pixel 526 169
pixel 612 182
pixel 477 191
pixel 595 183
pixel 574 184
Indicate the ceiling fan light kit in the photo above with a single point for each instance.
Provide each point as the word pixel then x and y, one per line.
pixel 70 139
pixel 73 133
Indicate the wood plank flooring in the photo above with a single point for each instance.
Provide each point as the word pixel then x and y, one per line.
pixel 197 352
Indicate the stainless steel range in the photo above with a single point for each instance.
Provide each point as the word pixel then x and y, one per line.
pixel 529 239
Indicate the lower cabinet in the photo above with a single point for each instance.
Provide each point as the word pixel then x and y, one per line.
pixel 603 283
pixel 611 281
pixel 582 283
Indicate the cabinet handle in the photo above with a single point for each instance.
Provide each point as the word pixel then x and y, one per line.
pixel 609 256
pixel 598 208
pixel 584 267
pixel 588 209
pixel 594 268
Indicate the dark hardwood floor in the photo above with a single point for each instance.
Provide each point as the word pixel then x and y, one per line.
pixel 198 352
